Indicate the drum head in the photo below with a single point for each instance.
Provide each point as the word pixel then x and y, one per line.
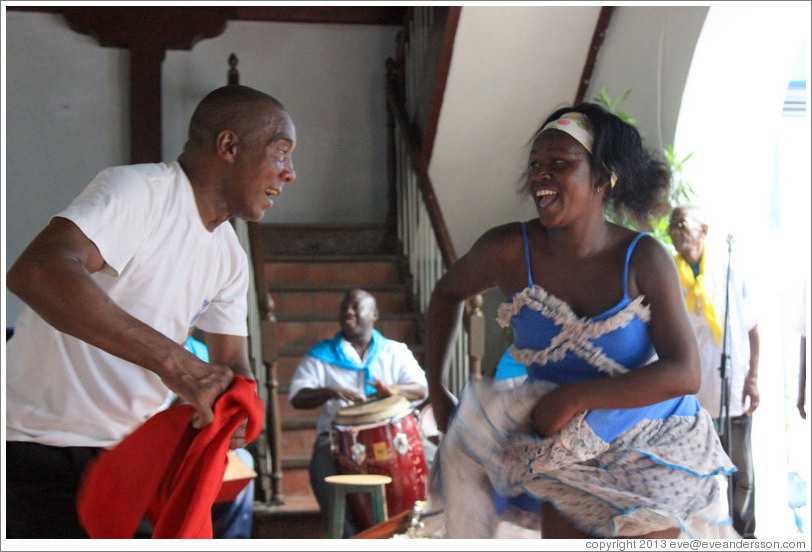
pixel 372 411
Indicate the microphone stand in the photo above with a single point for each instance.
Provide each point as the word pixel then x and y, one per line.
pixel 724 415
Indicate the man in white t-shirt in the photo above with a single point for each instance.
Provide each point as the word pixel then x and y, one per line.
pixel 356 364
pixel 113 286
pixel 709 288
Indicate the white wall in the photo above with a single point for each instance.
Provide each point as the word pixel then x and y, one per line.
pixel 66 103
pixel 511 67
pixel 67 117
pixel 331 78
pixel 649 49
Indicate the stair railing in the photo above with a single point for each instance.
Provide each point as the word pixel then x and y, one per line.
pixel 414 86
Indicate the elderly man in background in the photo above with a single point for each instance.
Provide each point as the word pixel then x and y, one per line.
pixel 703 270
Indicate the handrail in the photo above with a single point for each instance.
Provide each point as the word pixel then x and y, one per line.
pixel 420 71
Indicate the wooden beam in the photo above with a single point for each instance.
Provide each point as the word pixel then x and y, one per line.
pixel 440 79
pixel 378 15
pixel 597 39
pixel 350 15
pixel 147 32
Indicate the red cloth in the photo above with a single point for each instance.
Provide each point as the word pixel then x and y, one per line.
pixel 168 470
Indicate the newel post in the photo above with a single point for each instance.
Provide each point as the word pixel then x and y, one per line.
pixel 475 323
pixel 273 423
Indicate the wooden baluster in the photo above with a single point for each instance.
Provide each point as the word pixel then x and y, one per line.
pixel 475 323
pixel 233 74
pixel 273 423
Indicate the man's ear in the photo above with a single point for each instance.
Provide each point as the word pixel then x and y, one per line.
pixel 226 145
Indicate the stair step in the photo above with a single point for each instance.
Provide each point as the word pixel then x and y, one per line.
pixel 325 299
pixel 350 273
pixel 293 503
pixel 296 462
pixel 327 239
pixel 321 258
pixel 298 518
pixel 299 423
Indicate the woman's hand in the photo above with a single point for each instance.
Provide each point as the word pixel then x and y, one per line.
pixel 553 411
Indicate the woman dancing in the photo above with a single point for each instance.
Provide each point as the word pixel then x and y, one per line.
pixel 604 439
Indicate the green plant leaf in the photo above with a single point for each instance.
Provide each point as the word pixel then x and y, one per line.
pixel 624 96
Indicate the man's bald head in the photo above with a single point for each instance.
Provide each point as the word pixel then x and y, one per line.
pixel 357 315
pixel 243 110
pixel 695 212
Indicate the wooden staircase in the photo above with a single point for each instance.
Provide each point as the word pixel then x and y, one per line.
pixel 307 270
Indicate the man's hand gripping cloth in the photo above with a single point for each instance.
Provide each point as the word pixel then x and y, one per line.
pixel 168 470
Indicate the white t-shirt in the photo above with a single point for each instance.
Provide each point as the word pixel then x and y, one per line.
pixel 394 365
pixel 743 318
pixel 162 267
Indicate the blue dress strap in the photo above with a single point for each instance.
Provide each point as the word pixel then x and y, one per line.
pixel 626 266
pixel 527 255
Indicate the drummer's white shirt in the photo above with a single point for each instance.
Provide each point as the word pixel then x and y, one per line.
pixel 395 365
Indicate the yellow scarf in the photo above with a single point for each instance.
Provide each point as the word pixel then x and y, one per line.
pixel 697 294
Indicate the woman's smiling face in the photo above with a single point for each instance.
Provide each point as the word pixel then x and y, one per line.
pixel 560 178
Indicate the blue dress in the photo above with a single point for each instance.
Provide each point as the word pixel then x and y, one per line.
pixel 619 472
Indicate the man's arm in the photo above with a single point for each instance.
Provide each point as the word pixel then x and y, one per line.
pixel 231 351
pixel 751 381
pixel 309 397
pixel 52 276
pixel 412 391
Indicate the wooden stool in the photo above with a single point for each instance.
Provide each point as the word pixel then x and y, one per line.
pixel 359 483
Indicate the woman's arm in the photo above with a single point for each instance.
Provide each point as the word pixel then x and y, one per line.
pixel 480 269
pixel 677 370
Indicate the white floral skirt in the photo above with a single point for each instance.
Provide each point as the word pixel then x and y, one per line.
pixel 658 474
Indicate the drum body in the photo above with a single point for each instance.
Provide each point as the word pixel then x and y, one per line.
pixel 381 437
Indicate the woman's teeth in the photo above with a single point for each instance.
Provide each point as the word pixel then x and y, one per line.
pixel 545 197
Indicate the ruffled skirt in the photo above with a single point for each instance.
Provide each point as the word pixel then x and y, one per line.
pixel 658 474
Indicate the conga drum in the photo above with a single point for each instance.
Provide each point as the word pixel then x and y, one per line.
pixel 381 437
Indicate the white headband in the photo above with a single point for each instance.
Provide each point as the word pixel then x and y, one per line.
pixel 573 124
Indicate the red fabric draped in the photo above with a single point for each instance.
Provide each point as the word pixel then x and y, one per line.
pixel 168 470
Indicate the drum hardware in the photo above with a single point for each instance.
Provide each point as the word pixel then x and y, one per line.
pixel 359 451
pixel 333 443
pixel 401 443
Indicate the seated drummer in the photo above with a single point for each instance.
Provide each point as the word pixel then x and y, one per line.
pixel 357 364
